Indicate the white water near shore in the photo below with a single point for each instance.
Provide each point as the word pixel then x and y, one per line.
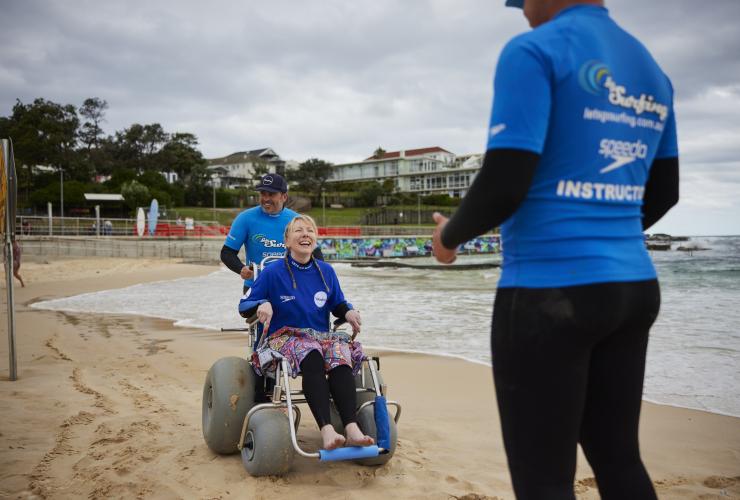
pixel 693 357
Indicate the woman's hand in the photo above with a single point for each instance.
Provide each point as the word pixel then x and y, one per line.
pixel 264 315
pixel 353 318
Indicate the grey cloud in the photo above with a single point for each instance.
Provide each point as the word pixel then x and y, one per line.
pixel 333 79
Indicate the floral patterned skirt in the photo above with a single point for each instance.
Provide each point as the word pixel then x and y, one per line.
pixel 294 344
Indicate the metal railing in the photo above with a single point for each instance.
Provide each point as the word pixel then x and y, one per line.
pixel 88 226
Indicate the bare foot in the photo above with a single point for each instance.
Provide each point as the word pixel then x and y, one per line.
pixel 332 439
pixel 355 437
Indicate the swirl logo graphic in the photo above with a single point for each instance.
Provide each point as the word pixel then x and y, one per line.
pixel 592 77
pixel 257 238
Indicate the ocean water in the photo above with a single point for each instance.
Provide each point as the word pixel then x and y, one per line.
pixel 693 355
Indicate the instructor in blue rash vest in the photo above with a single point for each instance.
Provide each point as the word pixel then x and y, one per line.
pixel 582 157
pixel 260 229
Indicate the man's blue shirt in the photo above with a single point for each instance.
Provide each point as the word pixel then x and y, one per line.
pixel 306 306
pixel 260 233
pixel 590 99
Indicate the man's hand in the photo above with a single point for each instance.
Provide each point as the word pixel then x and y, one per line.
pixel 246 273
pixel 353 318
pixel 264 315
pixel 443 254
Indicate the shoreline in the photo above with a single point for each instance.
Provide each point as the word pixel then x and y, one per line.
pixel 378 348
pixel 109 405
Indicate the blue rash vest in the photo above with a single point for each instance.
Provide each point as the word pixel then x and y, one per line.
pixel 260 233
pixel 591 101
pixel 306 306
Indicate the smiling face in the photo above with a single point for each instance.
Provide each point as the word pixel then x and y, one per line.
pixel 300 238
pixel 272 203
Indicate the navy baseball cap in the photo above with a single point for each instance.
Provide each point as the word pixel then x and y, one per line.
pixel 515 3
pixel 274 183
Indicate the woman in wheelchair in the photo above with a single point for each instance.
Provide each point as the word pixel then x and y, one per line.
pixel 294 298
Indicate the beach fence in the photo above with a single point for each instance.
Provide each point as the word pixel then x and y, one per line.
pixel 91 226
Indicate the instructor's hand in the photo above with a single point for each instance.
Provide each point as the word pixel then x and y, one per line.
pixel 264 315
pixel 353 318
pixel 246 273
pixel 443 254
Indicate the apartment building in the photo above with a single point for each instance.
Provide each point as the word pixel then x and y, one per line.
pixel 431 170
pixel 237 169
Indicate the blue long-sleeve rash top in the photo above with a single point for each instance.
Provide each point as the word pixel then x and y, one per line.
pixel 305 306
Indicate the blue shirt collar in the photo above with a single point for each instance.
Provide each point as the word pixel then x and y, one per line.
pixel 298 265
pixel 583 9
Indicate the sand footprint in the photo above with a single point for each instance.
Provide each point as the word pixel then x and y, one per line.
pixel 59 353
pixel 100 400
pixel 583 485
pixel 720 482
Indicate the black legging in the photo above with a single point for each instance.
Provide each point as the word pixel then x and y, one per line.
pixel 568 367
pixel 341 384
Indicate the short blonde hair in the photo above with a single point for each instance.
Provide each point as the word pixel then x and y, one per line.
pixel 303 217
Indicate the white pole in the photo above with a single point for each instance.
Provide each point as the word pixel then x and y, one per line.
pixel 7 170
pixel 97 221
pixel 61 198
pixel 48 207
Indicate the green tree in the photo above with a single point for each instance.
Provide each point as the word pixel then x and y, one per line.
pixel 312 176
pixel 135 194
pixel 197 191
pixel 369 194
pixel 260 167
pixel 93 111
pixel 136 147
pixel 43 133
pixel 379 153
pixel 180 155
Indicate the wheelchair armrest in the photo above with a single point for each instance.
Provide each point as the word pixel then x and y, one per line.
pixel 338 322
pixel 249 313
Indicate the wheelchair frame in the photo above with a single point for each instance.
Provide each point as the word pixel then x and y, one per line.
pixel 285 397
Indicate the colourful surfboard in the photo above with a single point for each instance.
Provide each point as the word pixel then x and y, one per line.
pixel 140 222
pixel 153 216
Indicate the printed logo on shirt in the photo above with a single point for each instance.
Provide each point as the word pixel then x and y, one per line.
pixel 265 241
pixel 596 78
pixel 319 298
pixel 592 76
pixel 621 152
pixel 497 129
pixel 286 298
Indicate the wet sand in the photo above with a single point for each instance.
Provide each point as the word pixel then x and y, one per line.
pixel 110 406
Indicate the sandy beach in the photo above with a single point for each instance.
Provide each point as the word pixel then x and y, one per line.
pixel 109 406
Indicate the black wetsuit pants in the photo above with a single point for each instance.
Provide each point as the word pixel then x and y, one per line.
pixel 316 387
pixel 568 367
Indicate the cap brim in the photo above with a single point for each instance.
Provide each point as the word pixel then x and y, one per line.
pixel 515 3
pixel 269 189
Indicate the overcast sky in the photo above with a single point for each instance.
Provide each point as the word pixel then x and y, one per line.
pixel 336 79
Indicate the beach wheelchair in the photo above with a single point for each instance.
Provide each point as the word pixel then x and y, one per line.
pixel 265 433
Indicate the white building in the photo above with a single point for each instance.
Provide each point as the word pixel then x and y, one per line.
pixel 237 169
pixel 425 171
